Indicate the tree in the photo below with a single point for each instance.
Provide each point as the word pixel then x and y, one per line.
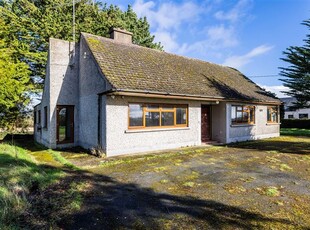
pixel 35 21
pixel 298 72
pixel 14 80
pixel 27 25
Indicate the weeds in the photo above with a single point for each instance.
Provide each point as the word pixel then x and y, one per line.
pixel 20 175
pixel 58 157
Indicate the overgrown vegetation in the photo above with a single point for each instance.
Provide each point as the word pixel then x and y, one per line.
pixel 58 157
pixel 256 184
pixel 20 175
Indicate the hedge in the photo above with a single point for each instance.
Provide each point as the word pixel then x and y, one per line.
pixel 295 123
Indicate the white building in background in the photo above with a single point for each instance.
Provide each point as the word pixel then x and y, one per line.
pixel 294 114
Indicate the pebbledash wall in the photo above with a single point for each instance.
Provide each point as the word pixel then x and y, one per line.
pixel 260 129
pixel 73 78
pixel 60 88
pixel 121 140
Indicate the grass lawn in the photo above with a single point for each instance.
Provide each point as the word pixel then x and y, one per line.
pixel 295 132
pixel 250 185
pixel 25 173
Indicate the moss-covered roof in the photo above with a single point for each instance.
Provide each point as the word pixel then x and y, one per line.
pixel 132 67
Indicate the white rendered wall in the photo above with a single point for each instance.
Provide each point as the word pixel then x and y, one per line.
pixel 296 113
pixel 261 129
pixel 60 88
pixel 91 83
pixel 120 140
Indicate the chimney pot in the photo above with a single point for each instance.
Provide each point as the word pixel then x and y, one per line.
pixel 121 35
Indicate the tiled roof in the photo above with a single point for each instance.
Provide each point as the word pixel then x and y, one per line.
pixel 132 67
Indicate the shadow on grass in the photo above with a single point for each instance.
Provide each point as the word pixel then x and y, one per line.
pixel 109 204
pixel 275 145
pixel 27 142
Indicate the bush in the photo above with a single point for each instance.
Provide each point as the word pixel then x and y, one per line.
pixel 295 123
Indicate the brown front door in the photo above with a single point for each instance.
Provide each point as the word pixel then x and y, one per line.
pixel 205 123
pixel 65 124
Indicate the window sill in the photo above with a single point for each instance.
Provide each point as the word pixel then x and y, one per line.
pixel 242 125
pixel 273 123
pixel 155 130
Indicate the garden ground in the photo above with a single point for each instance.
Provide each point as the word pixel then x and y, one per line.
pixel 259 184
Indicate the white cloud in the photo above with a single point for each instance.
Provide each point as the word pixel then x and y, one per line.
pixel 276 89
pixel 167 39
pixel 170 20
pixel 166 19
pixel 168 15
pixel 218 37
pixel 225 36
pixel 236 13
pixel 239 61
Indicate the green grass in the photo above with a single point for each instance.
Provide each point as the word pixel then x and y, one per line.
pixel 20 175
pixel 295 132
pixel 58 157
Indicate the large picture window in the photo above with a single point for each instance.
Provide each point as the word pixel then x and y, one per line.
pixel 272 114
pixel 157 115
pixel 242 114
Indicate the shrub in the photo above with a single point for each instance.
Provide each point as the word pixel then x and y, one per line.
pixel 295 123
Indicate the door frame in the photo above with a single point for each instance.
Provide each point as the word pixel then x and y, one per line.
pixel 209 119
pixel 58 108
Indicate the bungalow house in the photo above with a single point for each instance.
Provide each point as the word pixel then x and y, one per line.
pixel 112 95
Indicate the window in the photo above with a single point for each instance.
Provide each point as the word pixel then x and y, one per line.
pixel 45 117
pixel 290 116
pixel 272 114
pixel 303 116
pixel 157 115
pixel 35 117
pixel 65 124
pixel 39 117
pixel 242 114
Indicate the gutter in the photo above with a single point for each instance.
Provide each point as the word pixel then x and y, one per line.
pixel 157 94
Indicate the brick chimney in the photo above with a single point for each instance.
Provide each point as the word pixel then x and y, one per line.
pixel 120 35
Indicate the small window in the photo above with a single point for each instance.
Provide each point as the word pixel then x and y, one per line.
pixel 303 116
pixel 136 115
pixel 290 116
pixel 244 114
pixel 157 115
pixel 45 117
pixel 272 114
pixel 181 116
pixel 35 117
pixel 39 116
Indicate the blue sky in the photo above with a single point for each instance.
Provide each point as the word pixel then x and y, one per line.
pixel 246 34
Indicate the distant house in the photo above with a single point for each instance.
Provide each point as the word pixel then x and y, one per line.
pixel 121 98
pixel 294 114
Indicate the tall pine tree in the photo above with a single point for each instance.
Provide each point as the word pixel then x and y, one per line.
pixel 297 74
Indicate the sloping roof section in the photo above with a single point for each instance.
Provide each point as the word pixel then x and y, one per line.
pixel 132 67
